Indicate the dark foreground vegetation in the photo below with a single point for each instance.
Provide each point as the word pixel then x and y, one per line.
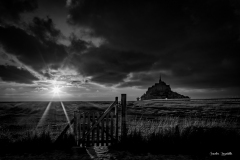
pixel 179 131
pixel 40 146
pixel 34 142
pixel 192 141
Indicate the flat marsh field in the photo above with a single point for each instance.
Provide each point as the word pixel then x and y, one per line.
pixel 17 119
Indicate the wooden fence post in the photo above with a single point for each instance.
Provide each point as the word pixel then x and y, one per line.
pixel 79 128
pixel 93 131
pixel 116 115
pixel 98 115
pixel 83 129
pixel 102 132
pixel 75 127
pixel 112 136
pixel 88 128
pixel 123 124
pixel 107 129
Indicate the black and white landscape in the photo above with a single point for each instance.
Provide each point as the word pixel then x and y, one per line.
pixel 59 56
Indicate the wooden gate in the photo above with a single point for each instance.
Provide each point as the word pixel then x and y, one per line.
pixel 100 128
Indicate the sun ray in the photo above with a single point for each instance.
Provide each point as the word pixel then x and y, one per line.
pixel 67 117
pixel 41 121
pixel 44 115
pixel 56 90
pixel 65 113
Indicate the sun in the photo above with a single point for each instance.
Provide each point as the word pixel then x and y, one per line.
pixel 56 90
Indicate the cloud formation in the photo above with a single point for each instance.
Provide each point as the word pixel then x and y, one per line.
pixel 109 66
pixel 196 41
pixel 35 46
pixel 10 10
pixel 13 74
pixel 121 45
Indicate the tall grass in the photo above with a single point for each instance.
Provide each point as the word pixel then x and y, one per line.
pixel 146 127
pixel 33 141
pixel 173 135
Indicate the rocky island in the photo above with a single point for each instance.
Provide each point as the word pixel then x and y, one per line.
pixel 161 91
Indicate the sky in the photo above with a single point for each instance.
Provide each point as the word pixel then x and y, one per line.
pixel 95 50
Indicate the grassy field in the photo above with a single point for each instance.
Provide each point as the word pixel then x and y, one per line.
pixel 205 114
pixel 157 127
pixel 21 117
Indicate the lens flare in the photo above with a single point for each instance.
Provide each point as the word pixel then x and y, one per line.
pixel 56 90
pixel 44 115
pixel 64 110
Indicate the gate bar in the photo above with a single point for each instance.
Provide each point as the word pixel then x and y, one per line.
pixel 100 119
pixel 123 124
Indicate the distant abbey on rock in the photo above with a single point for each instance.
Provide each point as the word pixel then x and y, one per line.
pixel 161 91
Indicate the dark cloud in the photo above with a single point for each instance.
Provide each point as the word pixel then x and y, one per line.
pixel 109 66
pixel 35 43
pixel 13 74
pixel 212 79
pixel 36 47
pixel 77 45
pixel 151 25
pixel 10 10
pixel 44 29
pixel 4 56
pixel 141 79
pixel 197 41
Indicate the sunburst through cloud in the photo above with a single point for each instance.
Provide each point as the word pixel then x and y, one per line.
pixel 56 90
